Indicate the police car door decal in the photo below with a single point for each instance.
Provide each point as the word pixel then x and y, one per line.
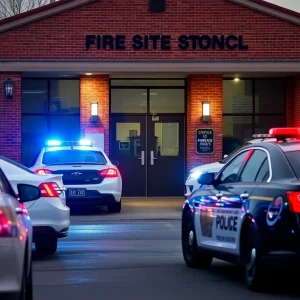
pixel 219 227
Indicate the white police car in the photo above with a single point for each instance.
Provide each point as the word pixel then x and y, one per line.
pixel 249 213
pixel 191 183
pixel 89 176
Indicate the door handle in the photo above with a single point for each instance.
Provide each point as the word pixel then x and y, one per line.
pixel 152 158
pixel 142 158
pixel 244 196
pixel 219 195
pixel 19 211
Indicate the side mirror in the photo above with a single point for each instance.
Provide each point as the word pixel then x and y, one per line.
pixel 28 192
pixel 115 162
pixel 206 179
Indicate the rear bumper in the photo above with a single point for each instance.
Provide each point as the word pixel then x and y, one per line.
pixel 47 231
pixel 92 197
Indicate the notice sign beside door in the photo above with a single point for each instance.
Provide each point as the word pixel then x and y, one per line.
pixel 205 141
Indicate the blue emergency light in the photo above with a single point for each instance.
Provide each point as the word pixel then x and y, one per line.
pixel 53 143
pixel 85 142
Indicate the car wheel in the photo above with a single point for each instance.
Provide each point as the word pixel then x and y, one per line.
pixel 46 245
pixel 252 259
pixel 114 207
pixel 192 257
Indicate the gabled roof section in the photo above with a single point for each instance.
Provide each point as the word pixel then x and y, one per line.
pixel 40 13
pixel 65 5
pixel 271 9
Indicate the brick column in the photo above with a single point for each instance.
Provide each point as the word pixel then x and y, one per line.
pixel 95 88
pixel 204 88
pixel 10 118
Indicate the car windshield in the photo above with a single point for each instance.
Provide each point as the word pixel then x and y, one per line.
pixel 294 160
pixel 62 157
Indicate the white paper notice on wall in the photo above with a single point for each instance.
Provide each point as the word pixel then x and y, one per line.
pixel 96 135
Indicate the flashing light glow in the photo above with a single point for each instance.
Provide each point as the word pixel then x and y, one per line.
pixel 195 175
pixel 288 132
pixel 85 143
pixel 294 201
pixel 52 143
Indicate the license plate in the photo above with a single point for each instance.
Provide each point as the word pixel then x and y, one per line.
pixel 76 192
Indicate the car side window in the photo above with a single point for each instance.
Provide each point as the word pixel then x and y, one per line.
pixel 253 166
pixel 264 172
pixel 231 171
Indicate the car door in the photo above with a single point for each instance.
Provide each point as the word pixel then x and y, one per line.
pixel 234 200
pixel 217 207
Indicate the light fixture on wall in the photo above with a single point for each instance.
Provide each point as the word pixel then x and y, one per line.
pixel 205 111
pixel 88 74
pixel 94 111
pixel 236 79
pixel 9 88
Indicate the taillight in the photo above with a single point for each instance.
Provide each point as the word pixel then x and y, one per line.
pixel 42 171
pixel 49 189
pixel 294 201
pixel 7 223
pixel 109 173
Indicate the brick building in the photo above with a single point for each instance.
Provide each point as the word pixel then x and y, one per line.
pixel 152 69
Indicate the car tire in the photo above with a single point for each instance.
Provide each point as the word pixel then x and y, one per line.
pixel 192 257
pixel 46 245
pixel 252 259
pixel 115 207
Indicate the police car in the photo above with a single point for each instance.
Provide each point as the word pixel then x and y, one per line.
pixel 249 213
pixel 90 178
pixel 191 183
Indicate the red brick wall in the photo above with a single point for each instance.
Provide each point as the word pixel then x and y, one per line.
pixel 290 84
pixel 95 88
pixel 10 119
pixel 297 101
pixel 201 88
pixel 63 36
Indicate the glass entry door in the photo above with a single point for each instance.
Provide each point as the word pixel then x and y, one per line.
pixel 165 172
pixel 150 150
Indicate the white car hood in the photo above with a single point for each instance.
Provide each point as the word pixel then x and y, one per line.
pixel 208 168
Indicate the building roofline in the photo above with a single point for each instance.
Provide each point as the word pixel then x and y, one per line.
pixel 64 5
pixel 271 9
pixel 40 13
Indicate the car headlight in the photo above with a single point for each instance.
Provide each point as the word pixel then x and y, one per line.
pixel 195 175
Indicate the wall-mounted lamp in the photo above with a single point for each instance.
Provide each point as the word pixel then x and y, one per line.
pixel 205 111
pixel 9 88
pixel 94 111
pixel 236 79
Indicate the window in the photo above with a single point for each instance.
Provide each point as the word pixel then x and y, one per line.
pixel 50 109
pixel 264 172
pixel 253 166
pixel 253 106
pixel 73 156
pixel 294 160
pixel 230 173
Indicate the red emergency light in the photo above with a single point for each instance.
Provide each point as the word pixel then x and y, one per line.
pixel 285 133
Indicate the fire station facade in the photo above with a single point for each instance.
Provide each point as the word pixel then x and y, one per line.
pixel 162 86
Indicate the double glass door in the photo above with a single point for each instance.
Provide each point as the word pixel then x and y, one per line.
pixel 150 150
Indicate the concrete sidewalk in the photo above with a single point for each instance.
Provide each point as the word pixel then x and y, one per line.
pixel 133 209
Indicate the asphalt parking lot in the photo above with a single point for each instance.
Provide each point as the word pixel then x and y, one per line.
pixel 137 255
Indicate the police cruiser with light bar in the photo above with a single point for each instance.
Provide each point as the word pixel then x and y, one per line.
pixel 89 176
pixel 249 213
